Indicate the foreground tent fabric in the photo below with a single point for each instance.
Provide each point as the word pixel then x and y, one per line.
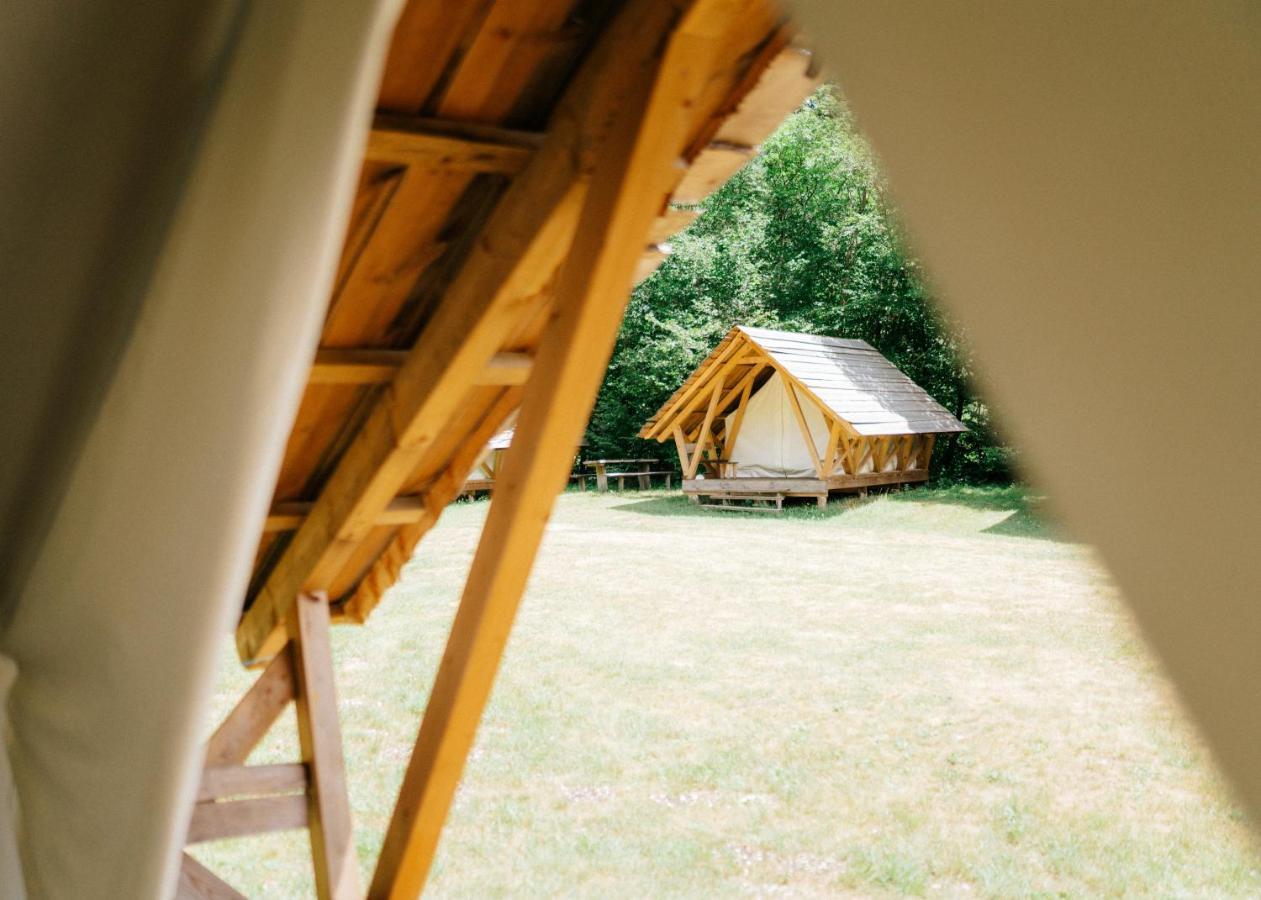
pixel 116 628
pixel 1039 154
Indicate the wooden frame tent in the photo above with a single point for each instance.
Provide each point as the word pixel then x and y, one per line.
pixel 482 478
pixel 510 138
pixel 773 414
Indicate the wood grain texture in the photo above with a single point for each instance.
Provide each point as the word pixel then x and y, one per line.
pixel 319 736
pixel 196 882
pixel 249 720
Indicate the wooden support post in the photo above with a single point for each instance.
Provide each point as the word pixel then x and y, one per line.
pixel 235 800
pixel 705 436
pixel 628 188
pixel 249 720
pixel 730 442
pixel 680 444
pixel 319 734
pixel 834 436
pixel 805 429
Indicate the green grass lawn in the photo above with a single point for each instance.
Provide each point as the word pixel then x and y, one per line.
pixel 929 693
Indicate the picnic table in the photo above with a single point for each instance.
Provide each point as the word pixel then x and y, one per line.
pixel 626 468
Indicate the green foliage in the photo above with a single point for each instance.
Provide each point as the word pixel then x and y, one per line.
pixel 803 238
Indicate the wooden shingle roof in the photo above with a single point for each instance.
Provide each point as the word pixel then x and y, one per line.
pixel 856 383
pixel 848 377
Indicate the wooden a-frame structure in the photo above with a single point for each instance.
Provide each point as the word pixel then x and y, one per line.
pixel 527 160
pixel 861 422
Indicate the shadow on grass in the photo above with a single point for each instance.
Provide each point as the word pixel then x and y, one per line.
pixel 794 508
pixel 1028 518
pixel 1025 518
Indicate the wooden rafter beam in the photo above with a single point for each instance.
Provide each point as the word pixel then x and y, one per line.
pixel 444 488
pixel 354 366
pixel 450 146
pixel 500 285
pixel 693 394
pixel 627 188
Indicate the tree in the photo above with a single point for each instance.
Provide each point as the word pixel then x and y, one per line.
pixel 804 238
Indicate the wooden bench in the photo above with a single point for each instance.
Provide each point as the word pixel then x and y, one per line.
pixel 641 469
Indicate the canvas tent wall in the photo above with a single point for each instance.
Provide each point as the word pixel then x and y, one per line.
pixel 770 444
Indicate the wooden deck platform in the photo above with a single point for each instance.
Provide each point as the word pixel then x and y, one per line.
pixel 819 488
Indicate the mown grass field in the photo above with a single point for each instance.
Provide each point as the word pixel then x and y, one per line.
pixel 929 693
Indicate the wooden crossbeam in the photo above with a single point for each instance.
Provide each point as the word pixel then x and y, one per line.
pixel 628 187
pixel 235 800
pixel 253 715
pixel 694 394
pixel 355 366
pixel 500 285
pixel 449 146
pixel 237 818
pixel 196 882
pixel 287 516
pixel 222 782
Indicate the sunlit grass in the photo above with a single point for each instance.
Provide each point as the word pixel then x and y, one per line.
pixel 923 693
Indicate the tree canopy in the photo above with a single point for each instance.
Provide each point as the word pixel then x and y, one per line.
pixel 804 238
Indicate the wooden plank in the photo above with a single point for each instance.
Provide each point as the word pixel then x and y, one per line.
pixel 670 223
pixel 447 146
pixel 691 390
pixel 651 260
pixel 215 821
pixel 196 882
pixel 875 479
pixel 221 782
pixel 785 83
pixel 319 735
pixel 834 436
pixel 805 430
pixel 710 171
pixel 250 719
pixel 500 285
pixel 680 445
pixel 790 486
pixel 441 491
pixel 507 368
pixel 354 366
pixel 705 435
pixel 627 186
pixel 400 511
pixel 729 442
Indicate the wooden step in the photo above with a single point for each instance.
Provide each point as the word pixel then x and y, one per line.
pixel 774 510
